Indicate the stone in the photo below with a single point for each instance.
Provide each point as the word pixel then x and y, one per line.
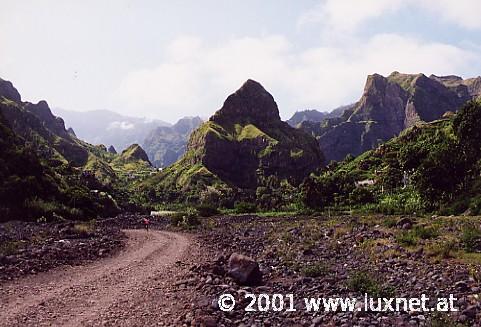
pixel 244 270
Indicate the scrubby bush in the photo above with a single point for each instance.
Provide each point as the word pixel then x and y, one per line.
pixel 176 219
pixel 245 207
pixel 411 237
pixel 471 237
pixel 424 232
pixel 475 205
pixel 407 239
pixel 207 210
pixel 363 282
pixel 404 202
pixel 443 248
pixel 191 220
pixel 314 270
pixel 361 196
pixel 186 219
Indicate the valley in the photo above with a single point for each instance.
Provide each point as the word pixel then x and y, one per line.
pixel 249 204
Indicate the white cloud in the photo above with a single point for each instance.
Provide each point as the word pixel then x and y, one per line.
pixel 196 77
pixel 341 16
pixel 465 13
pixel 120 125
pixel 346 15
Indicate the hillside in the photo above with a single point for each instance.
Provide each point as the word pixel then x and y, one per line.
pixel 429 167
pixel 57 174
pixel 388 106
pixel 244 145
pixel 166 144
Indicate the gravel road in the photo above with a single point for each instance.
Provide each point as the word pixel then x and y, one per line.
pixel 130 289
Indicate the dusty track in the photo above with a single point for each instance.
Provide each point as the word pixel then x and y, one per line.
pixel 129 289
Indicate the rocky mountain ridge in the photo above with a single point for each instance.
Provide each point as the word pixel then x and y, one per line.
pixel 166 144
pixel 388 106
pixel 65 176
pixel 243 146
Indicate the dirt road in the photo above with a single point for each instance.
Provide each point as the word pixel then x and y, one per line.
pixel 130 289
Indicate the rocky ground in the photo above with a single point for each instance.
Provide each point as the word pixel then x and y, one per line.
pixel 304 256
pixel 341 257
pixel 29 248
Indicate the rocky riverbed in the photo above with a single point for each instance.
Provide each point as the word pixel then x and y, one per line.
pixel 30 248
pixel 307 256
pixel 324 257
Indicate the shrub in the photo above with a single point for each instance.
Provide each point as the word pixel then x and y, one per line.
pixel 9 247
pixel 363 282
pixel 470 237
pixel 441 319
pixel 406 239
pixel 207 210
pixel 245 207
pixel 187 219
pixel 176 219
pixel 314 270
pixel 410 238
pixel 389 222
pixel 425 233
pixel 190 220
pixel 84 230
pixel 443 249
pixel 405 202
pixel 361 195
pixel 475 205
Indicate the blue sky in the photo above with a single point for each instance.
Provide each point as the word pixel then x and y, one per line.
pixel 168 59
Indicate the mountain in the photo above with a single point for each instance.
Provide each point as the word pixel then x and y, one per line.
pixel 46 171
pixel 134 152
pixel 108 127
pixel 244 145
pixel 429 167
pixel 388 106
pixel 315 116
pixel 22 175
pixel 166 144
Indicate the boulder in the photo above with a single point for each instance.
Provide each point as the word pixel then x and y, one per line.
pixel 244 270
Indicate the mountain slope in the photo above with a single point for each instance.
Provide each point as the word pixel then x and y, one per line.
pixel 58 174
pixel 242 146
pixel 388 106
pixel 165 145
pixel 430 166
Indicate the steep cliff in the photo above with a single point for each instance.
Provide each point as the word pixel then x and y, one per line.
pixel 388 106
pixel 244 143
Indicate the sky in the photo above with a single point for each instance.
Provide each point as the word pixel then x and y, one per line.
pixel 169 59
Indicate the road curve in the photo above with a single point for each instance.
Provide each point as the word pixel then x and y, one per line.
pixel 114 291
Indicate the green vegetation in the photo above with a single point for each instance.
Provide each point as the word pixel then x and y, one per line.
pixel 430 167
pixel 314 270
pixel 245 207
pixel 412 236
pixel 47 174
pixel 363 282
pixel 471 237
pixel 207 210
pixel 444 248
pixel 188 219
